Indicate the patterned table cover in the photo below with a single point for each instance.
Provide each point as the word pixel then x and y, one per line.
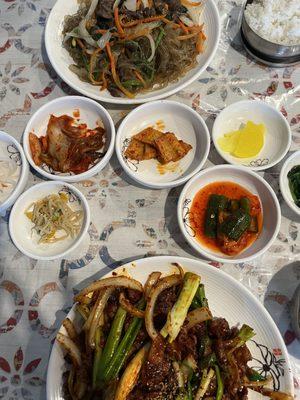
pixel 128 222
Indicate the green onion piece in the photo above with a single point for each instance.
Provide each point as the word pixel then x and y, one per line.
pixel 220 384
pixel 113 341
pixel 121 353
pixel 180 309
pixel 159 37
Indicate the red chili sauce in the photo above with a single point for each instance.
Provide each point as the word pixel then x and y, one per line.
pixel 232 191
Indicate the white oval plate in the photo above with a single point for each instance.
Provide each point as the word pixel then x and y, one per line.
pixel 166 116
pixel 293 160
pixel 277 138
pixel 227 298
pixel 61 60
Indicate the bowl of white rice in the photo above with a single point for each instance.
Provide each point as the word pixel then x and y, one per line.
pixel 271 31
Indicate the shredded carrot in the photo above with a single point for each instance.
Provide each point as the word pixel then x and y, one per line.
pixel 167 21
pixel 183 27
pixel 139 76
pixel 189 36
pixel 150 3
pixel 102 31
pixel 143 32
pixel 104 81
pixel 195 28
pixel 114 73
pixel 142 21
pixel 200 41
pixel 190 3
pixel 118 22
pixel 92 66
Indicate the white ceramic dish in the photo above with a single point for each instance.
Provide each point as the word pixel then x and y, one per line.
pixel 167 116
pixel 61 60
pixel 90 113
pixel 10 147
pixel 293 160
pixel 227 298
pixel 278 133
pixel 254 184
pixel 20 226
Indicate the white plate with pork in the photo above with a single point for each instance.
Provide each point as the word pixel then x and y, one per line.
pixel 227 298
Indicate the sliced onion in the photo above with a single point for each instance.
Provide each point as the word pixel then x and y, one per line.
pixel 104 39
pixel 179 375
pixel 70 328
pixel 130 308
pixel 162 284
pixel 151 281
pixel 197 316
pixel 152 45
pixel 99 308
pixel 71 348
pixel 180 269
pixel 114 281
pixel 85 34
pixel 131 374
pixel 187 21
pixel 74 33
pixel 91 9
pixel 130 5
pixel 195 13
pixel 116 4
pixel 274 395
pixel 71 381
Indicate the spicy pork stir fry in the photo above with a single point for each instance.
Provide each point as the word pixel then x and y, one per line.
pixel 132 46
pixel 157 342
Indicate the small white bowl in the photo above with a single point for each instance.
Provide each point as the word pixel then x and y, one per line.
pixel 255 185
pixel 277 138
pixel 167 116
pixel 293 160
pixel 90 113
pixel 20 227
pixel 15 152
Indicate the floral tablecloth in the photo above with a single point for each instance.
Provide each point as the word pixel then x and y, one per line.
pixel 127 222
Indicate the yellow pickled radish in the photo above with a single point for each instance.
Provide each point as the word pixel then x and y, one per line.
pixel 229 141
pixel 246 142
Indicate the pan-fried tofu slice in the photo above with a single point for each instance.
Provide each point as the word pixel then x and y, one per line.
pixel 135 150
pixel 148 136
pixel 170 148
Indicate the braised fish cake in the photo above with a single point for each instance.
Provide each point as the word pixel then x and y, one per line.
pixel 170 148
pixel 135 150
pixel 148 136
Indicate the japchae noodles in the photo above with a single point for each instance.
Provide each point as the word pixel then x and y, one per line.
pixel 132 46
pixel 53 218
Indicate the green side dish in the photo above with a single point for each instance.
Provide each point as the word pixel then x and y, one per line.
pixel 294 183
